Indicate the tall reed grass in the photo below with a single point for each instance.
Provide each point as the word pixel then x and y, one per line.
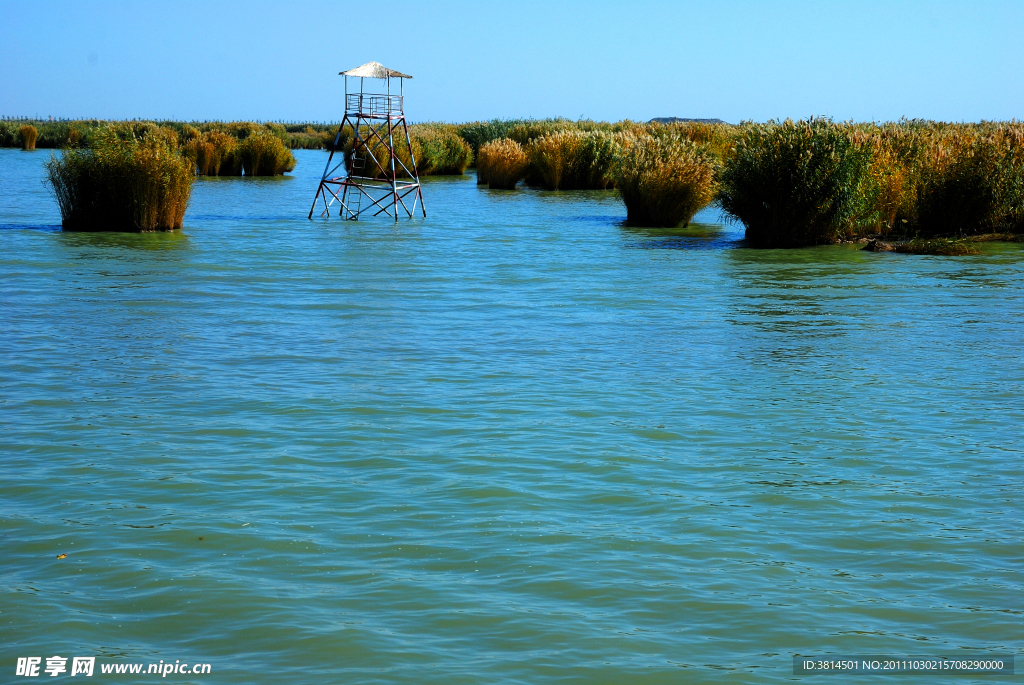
pixel 504 162
pixel 481 167
pixel 718 139
pixel 215 153
pixel 264 154
pixel 310 139
pixel 132 178
pixel 793 183
pixel 259 153
pixel 932 179
pixel 574 160
pixel 478 133
pixel 439 150
pixel 1011 138
pixel 49 134
pixel 28 133
pixel 887 193
pixel 959 185
pixel 789 183
pixel 525 132
pixel 665 180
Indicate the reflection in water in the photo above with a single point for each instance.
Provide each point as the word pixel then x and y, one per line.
pixel 254 180
pixel 708 230
pixel 696 236
pixel 30 227
pixel 156 241
pixel 798 292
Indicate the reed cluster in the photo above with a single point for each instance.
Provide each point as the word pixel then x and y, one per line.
pixel 579 155
pixel 239 148
pixel 798 183
pixel 131 178
pixel 718 139
pixel 28 134
pixel 440 150
pixel 214 153
pixel 310 139
pixel 264 154
pixel 665 180
pixel 553 146
pixel 961 184
pixel 49 134
pixel 793 183
pixel 501 164
pixel 817 181
pixel 478 133
pixel 573 160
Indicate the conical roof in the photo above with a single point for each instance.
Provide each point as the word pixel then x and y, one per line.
pixel 373 70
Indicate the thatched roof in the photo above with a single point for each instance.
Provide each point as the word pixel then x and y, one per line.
pixel 373 70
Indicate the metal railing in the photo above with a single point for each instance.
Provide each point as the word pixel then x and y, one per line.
pixel 373 105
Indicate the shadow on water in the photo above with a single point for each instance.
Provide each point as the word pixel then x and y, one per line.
pixel 449 178
pixel 255 180
pixel 541 197
pixel 152 242
pixel 30 227
pixel 803 292
pixel 696 236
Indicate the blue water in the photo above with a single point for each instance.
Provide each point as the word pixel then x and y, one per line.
pixel 516 442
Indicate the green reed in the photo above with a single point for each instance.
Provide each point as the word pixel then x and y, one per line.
pixel 440 150
pixel 478 133
pixel 793 183
pixel 957 189
pixel 132 178
pixel 371 155
pixel 932 179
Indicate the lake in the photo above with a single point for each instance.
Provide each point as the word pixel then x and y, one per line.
pixel 515 442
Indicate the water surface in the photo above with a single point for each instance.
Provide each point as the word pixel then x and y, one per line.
pixel 516 442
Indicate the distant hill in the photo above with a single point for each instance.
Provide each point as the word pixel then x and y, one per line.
pixel 671 120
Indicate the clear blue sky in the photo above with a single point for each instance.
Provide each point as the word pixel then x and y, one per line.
pixel 960 61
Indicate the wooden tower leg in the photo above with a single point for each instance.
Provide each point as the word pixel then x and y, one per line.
pixel 415 169
pixel 394 176
pixel 320 188
pixel 316 197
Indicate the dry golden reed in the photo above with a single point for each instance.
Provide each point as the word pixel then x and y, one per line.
pixel 28 133
pixel 132 178
pixel 505 162
pixel 665 180
pixel 573 160
pixel 215 153
pixel 263 154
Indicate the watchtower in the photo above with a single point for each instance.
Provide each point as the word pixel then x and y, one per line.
pixel 378 175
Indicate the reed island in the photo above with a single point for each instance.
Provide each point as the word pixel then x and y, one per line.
pixel 907 186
